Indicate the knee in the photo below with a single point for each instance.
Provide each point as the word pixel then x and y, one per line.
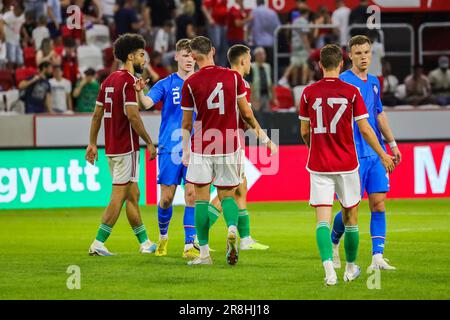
pixel 165 202
pixel 189 198
pixel 377 206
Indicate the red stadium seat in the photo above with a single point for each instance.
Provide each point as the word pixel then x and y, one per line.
pixel 285 99
pixel 6 80
pixel 24 73
pixel 29 57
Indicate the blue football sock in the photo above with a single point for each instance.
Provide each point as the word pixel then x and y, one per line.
pixel 378 231
pixel 338 228
pixel 189 225
pixel 164 216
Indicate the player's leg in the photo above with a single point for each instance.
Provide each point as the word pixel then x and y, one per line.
pixel 247 242
pixel 190 251
pixel 348 189
pixel 135 219
pixel 214 210
pixel 321 198
pixel 164 217
pixel 378 185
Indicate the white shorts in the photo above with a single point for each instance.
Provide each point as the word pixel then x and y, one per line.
pixel 346 186
pixel 224 170
pixel 124 169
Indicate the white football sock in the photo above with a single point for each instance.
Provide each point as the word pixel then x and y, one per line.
pixel 188 246
pixel 204 251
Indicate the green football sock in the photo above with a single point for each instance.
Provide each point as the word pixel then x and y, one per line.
pixel 243 223
pixel 213 214
pixel 351 242
pixel 140 233
pixel 202 222
pixel 230 211
pixel 103 232
pixel 324 240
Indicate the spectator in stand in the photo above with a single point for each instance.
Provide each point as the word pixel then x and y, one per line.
pixel 156 68
pixel 126 18
pixel 440 81
pixel 164 43
pixel 37 90
pixel 185 22
pixel 340 17
pixel 108 7
pixel 2 53
pixel 92 10
pixel 36 6
pixel 69 62
pixel 216 13
pixel 27 29
pixel 156 12
pixel 359 15
pixel 375 67
pixel 263 24
pixel 86 92
pixel 418 88
pixel 322 17
pixel 54 18
pixel 12 24
pixel 48 53
pixel 261 82
pixel 238 17
pixel 41 32
pixel 61 89
pixel 390 85
pixel 301 49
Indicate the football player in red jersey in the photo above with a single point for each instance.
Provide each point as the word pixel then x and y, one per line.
pixel 117 103
pixel 327 111
pixel 217 95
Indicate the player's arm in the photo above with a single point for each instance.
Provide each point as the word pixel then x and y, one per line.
pixel 138 126
pixel 305 131
pixel 248 116
pixel 186 128
pixel 386 131
pixel 96 122
pixel 369 135
pixel 144 101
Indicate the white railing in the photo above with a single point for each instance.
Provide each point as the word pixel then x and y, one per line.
pixel 423 53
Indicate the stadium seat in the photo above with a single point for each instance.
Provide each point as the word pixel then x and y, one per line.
pixel 285 99
pixel 29 57
pixel 108 56
pixel 98 35
pixel 89 57
pixel 6 80
pixel 24 73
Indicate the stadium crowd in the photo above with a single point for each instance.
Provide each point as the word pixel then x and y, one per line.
pixel 55 53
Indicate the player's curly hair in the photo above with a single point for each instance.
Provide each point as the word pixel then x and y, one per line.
pixel 126 44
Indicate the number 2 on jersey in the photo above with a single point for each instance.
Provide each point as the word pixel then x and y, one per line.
pixel 217 105
pixel 317 106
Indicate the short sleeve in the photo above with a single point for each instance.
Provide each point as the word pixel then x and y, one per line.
pixel 359 107
pixel 130 94
pixel 378 103
pixel 157 92
pixel 303 114
pixel 101 96
pixel 241 90
pixel 187 102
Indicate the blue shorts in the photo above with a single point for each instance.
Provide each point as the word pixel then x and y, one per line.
pixel 374 178
pixel 170 169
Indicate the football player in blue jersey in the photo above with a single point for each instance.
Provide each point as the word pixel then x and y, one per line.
pixel 374 179
pixel 171 171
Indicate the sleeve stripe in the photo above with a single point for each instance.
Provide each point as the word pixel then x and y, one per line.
pixel 131 103
pixel 353 100
pixel 99 103
pixel 242 95
pixel 304 98
pixel 187 108
pixel 366 115
pixel 303 118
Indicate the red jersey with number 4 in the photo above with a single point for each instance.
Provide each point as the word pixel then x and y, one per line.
pixel 330 105
pixel 117 91
pixel 212 92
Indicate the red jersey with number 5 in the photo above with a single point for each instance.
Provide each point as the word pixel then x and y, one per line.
pixel 117 91
pixel 331 106
pixel 212 92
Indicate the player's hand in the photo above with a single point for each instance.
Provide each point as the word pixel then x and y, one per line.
pixel 388 163
pixel 140 84
pixel 397 155
pixel 152 151
pixel 273 147
pixel 185 158
pixel 91 153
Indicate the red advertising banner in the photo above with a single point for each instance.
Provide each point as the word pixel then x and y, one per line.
pixel 423 173
pixel 385 5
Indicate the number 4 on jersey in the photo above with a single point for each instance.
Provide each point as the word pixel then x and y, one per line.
pixel 331 102
pixel 220 104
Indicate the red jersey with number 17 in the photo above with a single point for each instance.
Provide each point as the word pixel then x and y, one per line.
pixel 331 106
pixel 117 91
pixel 212 92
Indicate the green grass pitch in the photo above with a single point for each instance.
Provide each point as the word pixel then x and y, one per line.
pixel 36 248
